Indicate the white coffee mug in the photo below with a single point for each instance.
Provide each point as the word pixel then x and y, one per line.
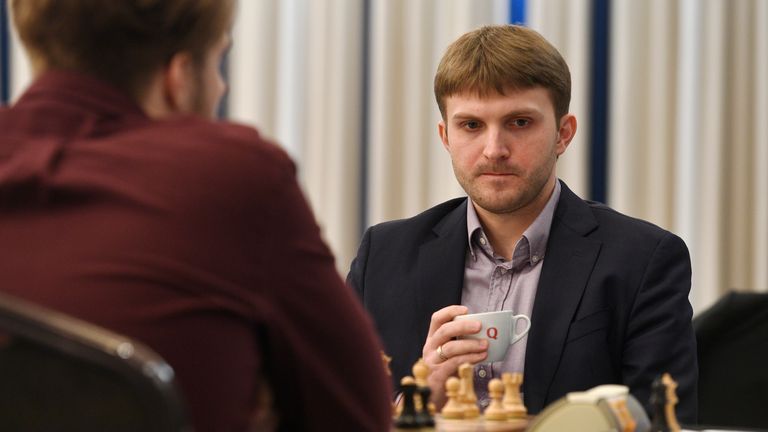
pixel 499 329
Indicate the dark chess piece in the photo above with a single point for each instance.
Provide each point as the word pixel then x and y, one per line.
pixel 658 403
pixel 408 417
pixel 424 416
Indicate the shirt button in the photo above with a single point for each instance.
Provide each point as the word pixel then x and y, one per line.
pixel 535 259
pixel 482 240
pixel 482 373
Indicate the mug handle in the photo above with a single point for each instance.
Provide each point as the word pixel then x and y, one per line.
pixel 514 337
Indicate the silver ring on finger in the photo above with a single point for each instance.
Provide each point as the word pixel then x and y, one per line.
pixel 440 354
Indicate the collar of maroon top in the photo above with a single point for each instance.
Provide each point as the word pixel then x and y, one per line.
pixel 83 90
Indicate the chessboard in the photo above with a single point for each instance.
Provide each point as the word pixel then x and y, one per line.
pixel 479 424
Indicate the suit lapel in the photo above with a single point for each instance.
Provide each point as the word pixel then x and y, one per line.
pixel 568 263
pixel 441 265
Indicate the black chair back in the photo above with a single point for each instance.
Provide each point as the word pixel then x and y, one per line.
pixel 732 341
pixel 58 373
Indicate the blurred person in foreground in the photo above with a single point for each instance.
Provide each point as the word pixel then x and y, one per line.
pixel 124 203
pixel 607 294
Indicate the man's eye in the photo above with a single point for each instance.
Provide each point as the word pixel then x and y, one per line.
pixel 472 124
pixel 520 122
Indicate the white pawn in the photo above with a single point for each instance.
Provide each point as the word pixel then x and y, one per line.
pixel 453 409
pixel 495 410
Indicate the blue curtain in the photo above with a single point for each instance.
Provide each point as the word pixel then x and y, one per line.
pixel 517 12
pixel 4 56
pixel 598 160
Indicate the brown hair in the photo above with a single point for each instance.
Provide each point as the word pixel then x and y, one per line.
pixel 120 41
pixel 495 58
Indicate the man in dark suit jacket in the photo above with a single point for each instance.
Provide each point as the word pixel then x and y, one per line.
pixel 125 203
pixel 608 294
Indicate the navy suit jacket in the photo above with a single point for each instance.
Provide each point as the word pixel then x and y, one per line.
pixel 611 305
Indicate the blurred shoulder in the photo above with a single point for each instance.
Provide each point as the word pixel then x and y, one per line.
pixel 239 143
pixel 213 150
pixel 629 231
pixel 449 212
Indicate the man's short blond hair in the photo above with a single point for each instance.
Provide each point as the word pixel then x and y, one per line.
pixel 502 57
pixel 120 41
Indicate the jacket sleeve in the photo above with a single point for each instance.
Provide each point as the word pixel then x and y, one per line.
pixel 356 275
pixel 660 336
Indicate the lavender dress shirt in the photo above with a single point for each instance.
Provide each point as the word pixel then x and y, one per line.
pixel 493 284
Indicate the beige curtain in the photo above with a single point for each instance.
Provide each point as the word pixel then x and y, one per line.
pixel 688 132
pixel 567 25
pixel 20 70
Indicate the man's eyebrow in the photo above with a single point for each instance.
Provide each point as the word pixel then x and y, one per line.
pixel 513 113
pixel 463 116
pixel 523 112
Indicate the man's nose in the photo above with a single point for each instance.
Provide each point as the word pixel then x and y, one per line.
pixel 496 145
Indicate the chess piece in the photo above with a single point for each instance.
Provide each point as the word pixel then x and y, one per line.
pixel 420 374
pixel 420 380
pixel 512 401
pixel 663 400
pixel 385 359
pixel 495 410
pixel 669 408
pixel 626 422
pixel 467 392
pixel 453 408
pixel 424 416
pixel 407 418
pixel 658 403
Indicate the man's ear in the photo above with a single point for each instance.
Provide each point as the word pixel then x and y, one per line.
pixel 442 130
pixel 179 83
pixel 566 132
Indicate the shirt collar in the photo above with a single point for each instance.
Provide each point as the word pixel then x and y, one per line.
pixel 534 238
pixel 82 90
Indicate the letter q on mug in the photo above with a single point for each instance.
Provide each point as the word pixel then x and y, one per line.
pixel 501 329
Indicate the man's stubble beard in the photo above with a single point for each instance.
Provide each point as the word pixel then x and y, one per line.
pixel 524 191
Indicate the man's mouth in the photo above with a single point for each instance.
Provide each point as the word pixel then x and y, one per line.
pixel 497 174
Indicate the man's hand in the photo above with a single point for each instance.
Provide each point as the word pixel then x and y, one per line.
pixel 443 353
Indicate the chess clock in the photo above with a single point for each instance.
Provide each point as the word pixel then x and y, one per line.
pixel 603 408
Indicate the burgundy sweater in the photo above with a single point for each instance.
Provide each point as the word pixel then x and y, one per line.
pixel 193 237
